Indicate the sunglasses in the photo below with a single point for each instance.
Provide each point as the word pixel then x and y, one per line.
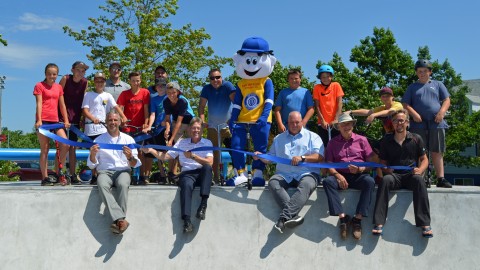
pixel 399 121
pixel 116 69
pixel 215 78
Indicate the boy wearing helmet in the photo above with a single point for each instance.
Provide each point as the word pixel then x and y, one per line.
pixel 328 103
pixel 427 101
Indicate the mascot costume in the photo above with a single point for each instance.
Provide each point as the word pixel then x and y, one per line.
pixel 253 104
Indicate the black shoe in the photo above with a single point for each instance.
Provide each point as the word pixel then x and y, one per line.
pixel 74 180
pixel 280 225
pixel 47 182
pixel 293 222
pixel 442 182
pixel 357 228
pixel 172 178
pixel 201 212
pixel 187 226
pixel 344 226
pixel 94 180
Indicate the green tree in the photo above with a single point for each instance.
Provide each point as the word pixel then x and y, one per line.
pixel 17 139
pixel 380 62
pixel 137 33
pixel 3 41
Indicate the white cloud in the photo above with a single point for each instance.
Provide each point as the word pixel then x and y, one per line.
pixel 25 56
pixel 30 21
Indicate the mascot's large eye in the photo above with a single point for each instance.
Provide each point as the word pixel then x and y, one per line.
pixel 255 60
pixel 248 60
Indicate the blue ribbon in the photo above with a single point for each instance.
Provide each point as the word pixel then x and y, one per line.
pixel 44 129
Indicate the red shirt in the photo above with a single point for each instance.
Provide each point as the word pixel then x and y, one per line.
pixel 133 106
pixel 50 96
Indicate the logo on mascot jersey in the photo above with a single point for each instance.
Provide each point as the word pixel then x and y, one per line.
pixel 251 101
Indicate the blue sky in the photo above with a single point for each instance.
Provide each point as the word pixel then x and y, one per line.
pixel 299 32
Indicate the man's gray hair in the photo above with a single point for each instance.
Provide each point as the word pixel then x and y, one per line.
pixel 195 120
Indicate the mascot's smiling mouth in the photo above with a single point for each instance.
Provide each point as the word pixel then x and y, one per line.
pixel 249 73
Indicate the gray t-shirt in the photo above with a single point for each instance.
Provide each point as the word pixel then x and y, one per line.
pixel 116 89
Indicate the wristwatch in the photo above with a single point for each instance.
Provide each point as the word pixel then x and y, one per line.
pixel 131 158
pixel 303 158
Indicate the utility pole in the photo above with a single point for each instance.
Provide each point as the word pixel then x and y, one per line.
pixel 2 83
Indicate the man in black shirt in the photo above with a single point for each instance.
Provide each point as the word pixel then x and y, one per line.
pixel 403 149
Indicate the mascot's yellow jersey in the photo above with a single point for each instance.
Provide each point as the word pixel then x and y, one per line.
pixel 253 93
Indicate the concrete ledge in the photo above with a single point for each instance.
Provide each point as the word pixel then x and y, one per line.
pixel 65 228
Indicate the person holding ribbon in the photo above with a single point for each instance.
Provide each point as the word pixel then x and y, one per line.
pixel 113 167
pixel 49 101
pixel 196 170
pixel 298 145
pixel 403 149
pixel 354 148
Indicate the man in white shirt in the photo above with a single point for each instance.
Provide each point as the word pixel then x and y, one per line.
pixel 113 167
pixel 196 170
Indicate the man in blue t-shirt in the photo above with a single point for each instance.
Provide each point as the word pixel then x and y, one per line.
pixel 294 98
pixel 427 101
pixel 219 95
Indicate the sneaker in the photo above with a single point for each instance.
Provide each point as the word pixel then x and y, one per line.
pixel 442 182
pixel 47 182
pixel 94 180
pixel 293 222
pixel 187 226
pixel 357 228
pixel 201 212
pixel 122 225
pixel 280 225
pixel 74 180
pixel 344 226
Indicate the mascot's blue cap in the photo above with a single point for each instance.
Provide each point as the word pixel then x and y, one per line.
pixel 255 44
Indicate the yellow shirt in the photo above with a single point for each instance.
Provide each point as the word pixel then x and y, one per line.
pixel 253 99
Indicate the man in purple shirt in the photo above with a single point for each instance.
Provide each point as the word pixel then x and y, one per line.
pixel 348 147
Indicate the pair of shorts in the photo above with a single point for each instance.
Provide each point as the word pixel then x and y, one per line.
pixel 436 139
pixel 71 135
pixel 51 123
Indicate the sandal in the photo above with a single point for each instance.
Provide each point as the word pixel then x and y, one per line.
pixel 344 226
pixel 377 230
pixel 427 232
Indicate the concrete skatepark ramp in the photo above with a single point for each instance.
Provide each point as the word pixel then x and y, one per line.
pixel 65 228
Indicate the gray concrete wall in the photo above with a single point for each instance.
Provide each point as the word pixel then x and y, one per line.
pixel 66 228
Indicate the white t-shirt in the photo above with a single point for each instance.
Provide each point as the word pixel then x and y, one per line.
pixel 98 105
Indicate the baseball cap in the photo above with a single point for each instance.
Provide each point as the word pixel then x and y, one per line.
pixel 116 63
pixel 100 75
pixel 256 45
pixel 174 85
pixel 81 64
pixel 386 91
pixel 160 81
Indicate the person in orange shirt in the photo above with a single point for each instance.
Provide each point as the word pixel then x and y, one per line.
pixel 328 103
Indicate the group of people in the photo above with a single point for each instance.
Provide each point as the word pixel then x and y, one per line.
pixel 163 109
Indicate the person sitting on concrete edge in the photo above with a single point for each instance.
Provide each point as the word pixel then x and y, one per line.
pixel 299 145
pixel 196 170
pixel 403 149
pixel 113 168
pixel 348 147
pixel 382 112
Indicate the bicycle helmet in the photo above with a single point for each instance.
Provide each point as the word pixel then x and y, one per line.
pixel 423 63
pixel 325 68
